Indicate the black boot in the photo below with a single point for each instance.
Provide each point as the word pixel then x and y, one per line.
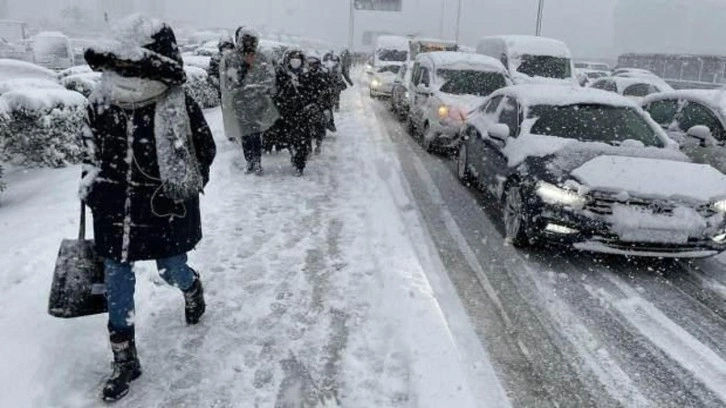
pixel 126 366
pixel 194 301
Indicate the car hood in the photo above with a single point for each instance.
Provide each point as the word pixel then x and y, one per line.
pixel 652 178
pixel 467 102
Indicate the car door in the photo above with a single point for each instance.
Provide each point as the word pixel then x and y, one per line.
pixel 496 164
pixel 714 152
pixel 477 149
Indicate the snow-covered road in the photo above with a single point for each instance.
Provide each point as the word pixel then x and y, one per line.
pixel 322 291
pixel 565 328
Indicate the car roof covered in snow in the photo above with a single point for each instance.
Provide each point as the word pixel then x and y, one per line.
pixel 531 45
pixel 713 98
pixel 623 82
pixel 433 40
pixel 462 60
pixel 558 95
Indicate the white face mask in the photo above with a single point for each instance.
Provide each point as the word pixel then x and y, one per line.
pixel 295 63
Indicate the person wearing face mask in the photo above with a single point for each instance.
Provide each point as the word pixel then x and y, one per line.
pixel 148 152
pixel 322 89
pixel 248 85
pixel 298 106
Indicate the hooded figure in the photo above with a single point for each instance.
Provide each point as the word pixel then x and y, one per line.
pixel 322 91
pixel 248 84
pixel 226 44
pixel 148 154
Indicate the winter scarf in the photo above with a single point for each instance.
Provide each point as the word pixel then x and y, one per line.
pixel 178 166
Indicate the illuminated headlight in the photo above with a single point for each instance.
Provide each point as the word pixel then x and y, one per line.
pixel 375 83
pixel 552 194
pixel 443 112
pixel 719 206
pixel 406 95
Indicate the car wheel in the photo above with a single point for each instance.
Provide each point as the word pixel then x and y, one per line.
pixel 462 164
pixel 515 217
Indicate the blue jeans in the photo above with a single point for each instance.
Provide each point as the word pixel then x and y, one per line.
pixel 121 283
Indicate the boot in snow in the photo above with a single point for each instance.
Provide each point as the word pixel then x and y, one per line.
pixel 257 169
pixel 126 366
pixel 194 306
pixel 250 167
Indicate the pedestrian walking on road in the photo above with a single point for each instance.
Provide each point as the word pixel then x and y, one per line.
pixel 226 45
pixel 248 85
pixel 322 89
pixel 148 155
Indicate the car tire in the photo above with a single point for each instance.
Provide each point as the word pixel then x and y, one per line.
pixel 515 217
pixel 462 164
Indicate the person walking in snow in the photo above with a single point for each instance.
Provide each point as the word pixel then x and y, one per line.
pixel 322 89
pixel 248 80
pixel 148 155
pixel 226 45
pixel 346 62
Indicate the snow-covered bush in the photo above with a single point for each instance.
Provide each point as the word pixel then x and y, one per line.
pixel 200 88
pixel 196 61
pixel 40 127
pixel 82 83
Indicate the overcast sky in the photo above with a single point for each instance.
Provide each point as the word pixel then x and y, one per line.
pixel 586 25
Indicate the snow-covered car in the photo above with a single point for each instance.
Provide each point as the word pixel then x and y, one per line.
pixel 635 89
pixel 530 59
pixel 593 66
pixel 588 76
pixel 52 50
pixel 401 92
pixel 381 83
pixel 590 169
pixel 696 119
pixel 447 86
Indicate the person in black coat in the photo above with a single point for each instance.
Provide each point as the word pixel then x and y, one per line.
pixel 225 45
pixel 322 90
pixel 299 107
pixel 148 155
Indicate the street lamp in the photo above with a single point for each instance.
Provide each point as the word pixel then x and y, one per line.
pixel 540 9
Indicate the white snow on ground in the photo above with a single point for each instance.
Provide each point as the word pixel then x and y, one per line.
pixel 314 287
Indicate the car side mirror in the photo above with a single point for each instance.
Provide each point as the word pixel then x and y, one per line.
pixel 702 134
pixel 499 132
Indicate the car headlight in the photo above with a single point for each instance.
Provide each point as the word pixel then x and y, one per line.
pixel 443 112
pixel 552 194
pixel 375 83
pixel 719 206
pixel 406 95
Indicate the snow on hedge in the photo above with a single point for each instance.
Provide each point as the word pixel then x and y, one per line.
pixel 41 127
pixel 77 70
pixel 200 88
pixel 27 83
pixel 197 61
pixel 14 69
pixel 84 84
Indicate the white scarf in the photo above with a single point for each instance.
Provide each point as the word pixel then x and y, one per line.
pixel 130 91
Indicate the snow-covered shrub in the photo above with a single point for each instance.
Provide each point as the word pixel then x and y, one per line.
pixel 41 127
pixel 84 84
pixel 196 61
pixel 200 88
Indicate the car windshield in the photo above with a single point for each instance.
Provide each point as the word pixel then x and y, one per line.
pixel 392 55
pixel 545 66
pixel 389 68
pixel 470 82
pixel 593 123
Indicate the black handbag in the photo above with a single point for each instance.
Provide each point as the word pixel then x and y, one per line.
pixel 78 287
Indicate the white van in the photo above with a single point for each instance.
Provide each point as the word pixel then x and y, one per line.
pixel 446 87
pixel 531 59
pixel 52 50
pixel 391 54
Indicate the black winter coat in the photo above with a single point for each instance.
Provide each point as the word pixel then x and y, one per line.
pixel 132 218
pixel 301 104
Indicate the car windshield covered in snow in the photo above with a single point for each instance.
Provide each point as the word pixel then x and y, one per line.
pixel 545 66
pixel 471 82
pixel 390 68
pixel 392 55
pixel 593 123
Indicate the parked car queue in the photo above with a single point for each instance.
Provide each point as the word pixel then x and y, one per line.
pixel 626 166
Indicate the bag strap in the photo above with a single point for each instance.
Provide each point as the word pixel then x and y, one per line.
pixel 82 227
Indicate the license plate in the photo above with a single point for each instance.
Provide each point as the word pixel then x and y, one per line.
pixel 655 236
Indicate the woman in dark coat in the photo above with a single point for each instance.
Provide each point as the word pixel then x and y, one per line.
pixel 149 151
